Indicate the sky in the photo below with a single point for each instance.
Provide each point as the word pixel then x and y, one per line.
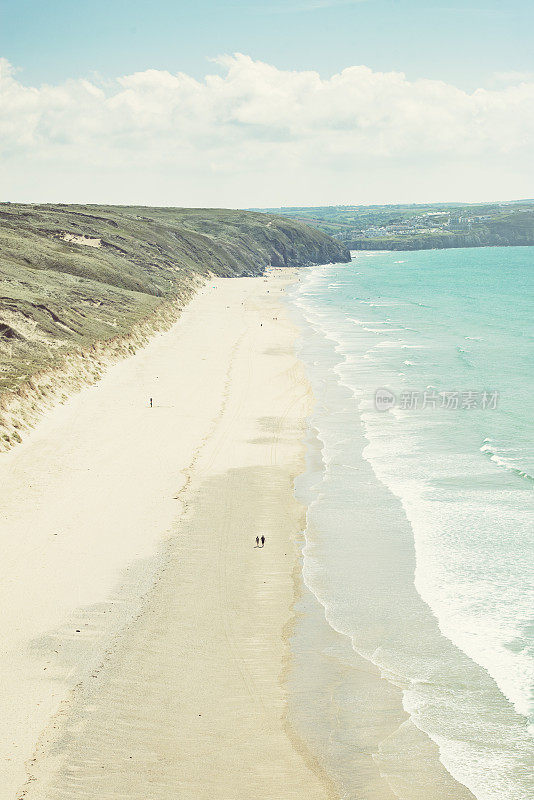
pixel 254 103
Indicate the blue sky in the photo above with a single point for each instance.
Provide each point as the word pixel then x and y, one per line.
pixel 256 103
pixel 463 43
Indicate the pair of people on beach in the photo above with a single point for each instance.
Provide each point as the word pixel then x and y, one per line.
pixel 258 540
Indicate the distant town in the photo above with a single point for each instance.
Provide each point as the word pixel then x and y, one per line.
pixel 412 227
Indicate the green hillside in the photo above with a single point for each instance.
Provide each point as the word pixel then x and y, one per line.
pixel 120 265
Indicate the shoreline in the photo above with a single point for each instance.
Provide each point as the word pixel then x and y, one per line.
pixel 359 551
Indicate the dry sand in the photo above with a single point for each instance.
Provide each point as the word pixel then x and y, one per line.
pixel 179 693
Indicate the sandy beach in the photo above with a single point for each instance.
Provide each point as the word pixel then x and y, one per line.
pixel 150 649
pixel 117 684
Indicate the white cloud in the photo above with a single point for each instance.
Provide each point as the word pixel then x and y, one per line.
pixel 259 135
pixel 513 77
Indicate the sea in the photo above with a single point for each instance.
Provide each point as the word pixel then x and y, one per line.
pixel 415 631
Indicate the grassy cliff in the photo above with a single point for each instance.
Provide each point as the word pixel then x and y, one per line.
pixel 79 283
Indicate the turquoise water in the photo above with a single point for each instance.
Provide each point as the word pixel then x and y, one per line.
pixel 433 582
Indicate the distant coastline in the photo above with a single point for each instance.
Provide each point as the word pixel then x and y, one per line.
pixel 432 243
pixel 422 227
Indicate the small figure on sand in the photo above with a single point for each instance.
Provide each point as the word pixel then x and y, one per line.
pixel 150 402
pixel 257 541
pixel 262 540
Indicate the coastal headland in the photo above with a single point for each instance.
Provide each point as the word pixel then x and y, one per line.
pixel 84 286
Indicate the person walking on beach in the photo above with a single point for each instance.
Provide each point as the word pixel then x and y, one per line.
pixel 262 540
pixel 150 402
pixel 257 541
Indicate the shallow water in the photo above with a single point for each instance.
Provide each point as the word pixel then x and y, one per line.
pixel 419 545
